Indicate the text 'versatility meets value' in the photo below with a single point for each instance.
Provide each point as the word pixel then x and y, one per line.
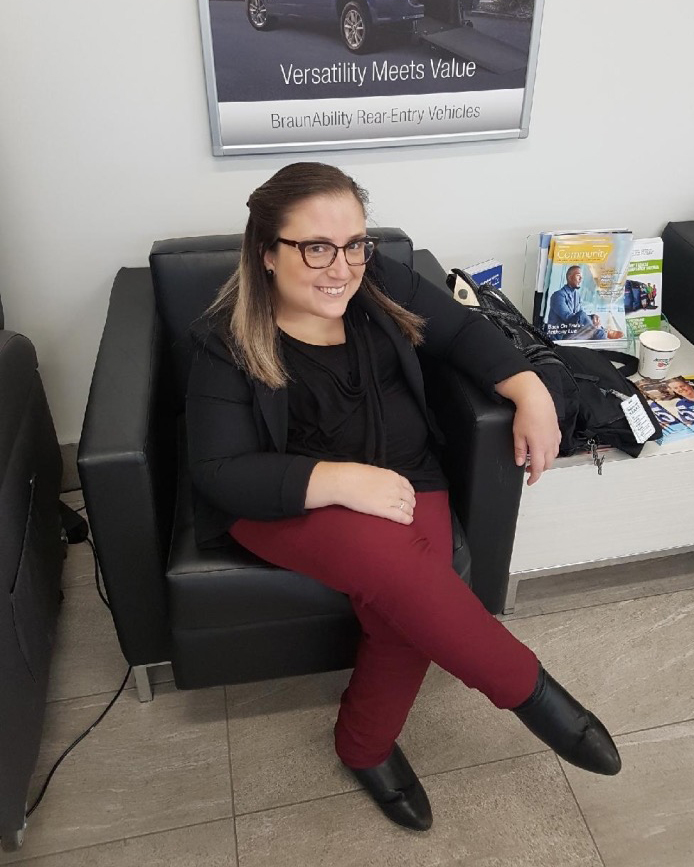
pixel 378 71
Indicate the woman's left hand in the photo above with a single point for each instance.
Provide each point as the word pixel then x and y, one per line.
pixel 536 431
pixel 536 434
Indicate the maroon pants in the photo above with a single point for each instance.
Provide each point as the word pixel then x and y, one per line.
pixel 412 606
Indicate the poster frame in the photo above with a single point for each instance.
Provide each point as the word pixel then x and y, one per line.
pixel 221 150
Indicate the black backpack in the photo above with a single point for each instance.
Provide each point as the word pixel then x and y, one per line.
pixel 587 389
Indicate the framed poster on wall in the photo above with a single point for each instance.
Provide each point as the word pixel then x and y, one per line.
pixel 301 75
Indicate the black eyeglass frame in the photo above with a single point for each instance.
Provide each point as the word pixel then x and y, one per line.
pixel 302 245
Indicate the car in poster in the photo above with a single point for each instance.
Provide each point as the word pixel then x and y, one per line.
pixel 359 20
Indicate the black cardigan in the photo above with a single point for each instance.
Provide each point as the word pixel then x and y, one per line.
pixel 237 426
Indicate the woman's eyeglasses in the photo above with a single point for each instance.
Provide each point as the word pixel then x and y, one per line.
pixel 322 254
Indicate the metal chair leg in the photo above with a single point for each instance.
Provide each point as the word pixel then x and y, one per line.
pixel 143 683
pixel 511 591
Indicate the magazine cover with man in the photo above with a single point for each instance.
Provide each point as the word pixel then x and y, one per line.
pixel 584 289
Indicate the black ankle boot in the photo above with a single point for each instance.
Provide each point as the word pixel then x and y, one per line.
pixel 397 791
pixel 573 732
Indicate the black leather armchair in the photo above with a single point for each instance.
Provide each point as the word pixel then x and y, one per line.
pixel 31 557
pixel 222 615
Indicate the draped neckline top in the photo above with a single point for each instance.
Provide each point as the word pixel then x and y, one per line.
pixel 350 402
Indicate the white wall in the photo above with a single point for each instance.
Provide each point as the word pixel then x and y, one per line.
pixel 105 147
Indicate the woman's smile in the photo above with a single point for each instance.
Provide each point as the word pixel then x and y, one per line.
pixel 335 291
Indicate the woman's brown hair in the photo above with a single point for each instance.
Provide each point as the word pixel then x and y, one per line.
pixel 244 304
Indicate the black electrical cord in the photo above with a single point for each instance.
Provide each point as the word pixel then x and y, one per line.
pixel 74 744
pixel 97 574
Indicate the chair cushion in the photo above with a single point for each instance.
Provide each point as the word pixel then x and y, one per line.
pixel 229 587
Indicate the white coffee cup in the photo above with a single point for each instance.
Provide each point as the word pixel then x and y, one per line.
pixel 656 351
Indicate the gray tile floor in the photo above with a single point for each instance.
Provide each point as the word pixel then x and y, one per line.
pixel 245 776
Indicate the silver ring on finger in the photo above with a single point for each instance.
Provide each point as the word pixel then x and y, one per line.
pixel 402 505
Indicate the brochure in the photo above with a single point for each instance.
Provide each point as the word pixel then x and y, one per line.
pixel 643 298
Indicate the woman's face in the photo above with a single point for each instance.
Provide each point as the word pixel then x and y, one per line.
pixel 305 294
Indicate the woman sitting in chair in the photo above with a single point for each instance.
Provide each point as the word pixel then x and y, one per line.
pixel 308 355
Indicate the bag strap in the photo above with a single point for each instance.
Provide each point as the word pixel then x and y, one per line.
pixel 513 317
pixel 511 321
pixel 629 363
pixel 509 317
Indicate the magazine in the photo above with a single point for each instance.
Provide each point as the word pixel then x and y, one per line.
pixel 643 287
pixel 675 397
pixel 583 294
pixel 544 241
pixel 672 427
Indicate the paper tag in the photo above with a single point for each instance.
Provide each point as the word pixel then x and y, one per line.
pixel 465 293
pixel 641 426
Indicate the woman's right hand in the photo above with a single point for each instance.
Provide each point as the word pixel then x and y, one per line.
pixel 362 488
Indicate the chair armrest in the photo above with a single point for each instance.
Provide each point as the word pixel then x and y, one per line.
pixel 30 472
pixel 17 373
pixel 425 263
pixel 127 465
pixel 486 484
pixel 478 460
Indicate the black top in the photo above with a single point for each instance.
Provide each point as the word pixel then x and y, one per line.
pixel 350 402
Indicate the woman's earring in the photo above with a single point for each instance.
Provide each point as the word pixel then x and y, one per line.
pixel 269 273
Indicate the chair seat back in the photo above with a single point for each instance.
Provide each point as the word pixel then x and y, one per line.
pixel 188 272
